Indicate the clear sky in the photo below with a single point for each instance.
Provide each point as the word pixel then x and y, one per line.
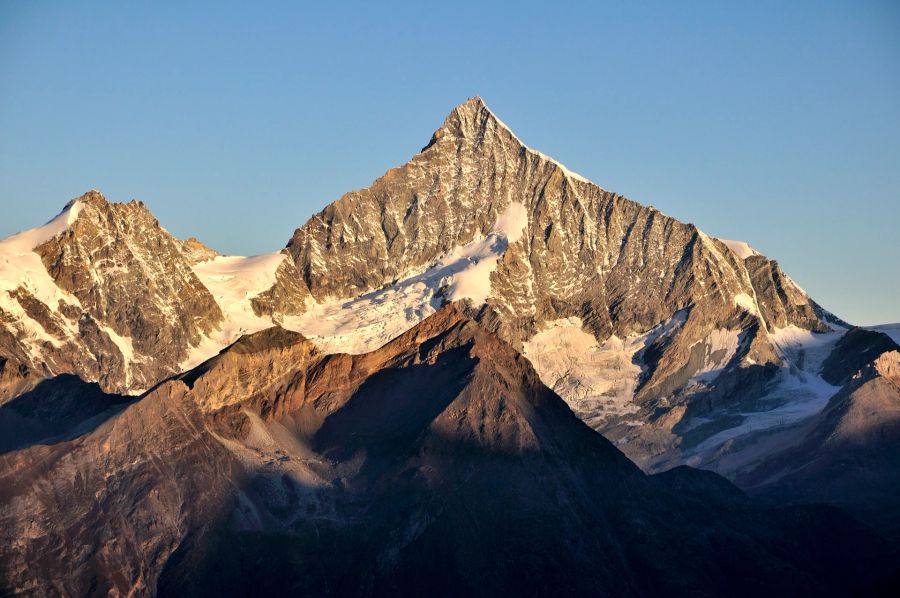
pixel 773 122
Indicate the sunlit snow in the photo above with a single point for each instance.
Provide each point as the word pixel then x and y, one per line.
pixel 20 266
pixel 233 281
pixel 740 248
pixel 597 380
pixel 364 323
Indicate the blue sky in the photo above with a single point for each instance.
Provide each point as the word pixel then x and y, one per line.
pixel 772 122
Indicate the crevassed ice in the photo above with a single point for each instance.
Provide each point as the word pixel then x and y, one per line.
pixel 597 380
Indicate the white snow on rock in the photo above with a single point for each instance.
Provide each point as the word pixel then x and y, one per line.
pixel 233 281
pixel 126 348
pixel 805 349
pixel 30 239
pixel 512 222
pixel 20 266
pixel 799 393
pixel 721 346
pixel 365 323
pixel 746 302
pixel 740 248
pixel 597 380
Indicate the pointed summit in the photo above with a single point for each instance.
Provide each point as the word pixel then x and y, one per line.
pixel 93 197
pixel 472 120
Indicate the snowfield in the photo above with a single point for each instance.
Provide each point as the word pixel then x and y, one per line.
pixel 233 281
pixel 20 266
pixel 597 380
pixel 361 324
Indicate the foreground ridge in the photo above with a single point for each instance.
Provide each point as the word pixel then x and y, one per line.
pixel 395 470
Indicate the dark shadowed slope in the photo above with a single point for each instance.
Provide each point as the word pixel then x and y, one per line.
pixel 438 463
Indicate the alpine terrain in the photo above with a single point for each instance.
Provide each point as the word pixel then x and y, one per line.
pixel 483 374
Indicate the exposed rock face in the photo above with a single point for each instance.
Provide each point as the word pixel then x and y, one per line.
pixel 286 297
pixel 104 292
pixel 129 273
pixel 117 301
pixel 437 461
pixel 15 378
pixel 622 270
pixel 781 302
pixel 476 216
pixel 195 252
pixel 856 349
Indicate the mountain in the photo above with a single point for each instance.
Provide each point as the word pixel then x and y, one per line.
pixel 437 463
pixel 655 333
pixel 104 292
pixel 673 344
pixel 407 397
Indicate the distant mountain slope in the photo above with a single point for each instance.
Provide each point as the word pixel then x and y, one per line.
pixel 438 463
pixel 847 455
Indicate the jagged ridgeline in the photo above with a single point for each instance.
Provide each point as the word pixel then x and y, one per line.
pixel 669 341
pixel 415 384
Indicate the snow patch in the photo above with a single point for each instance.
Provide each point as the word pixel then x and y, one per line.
pixel 799 394
pixel 747 303
pixel 512 222
pixel 126 348
pixel 740 248
pixel 721 346
pixel 30 239
pixel 21 267
pixel 804 349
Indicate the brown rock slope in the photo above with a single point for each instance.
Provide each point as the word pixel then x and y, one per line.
pixel 849 455
pixel 438 464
